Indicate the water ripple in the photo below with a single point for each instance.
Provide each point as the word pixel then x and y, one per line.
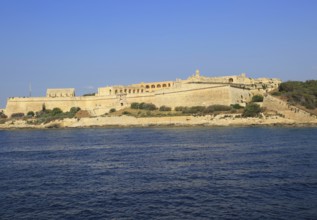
pixel 159 173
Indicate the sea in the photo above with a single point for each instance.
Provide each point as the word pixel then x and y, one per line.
pixel 159 173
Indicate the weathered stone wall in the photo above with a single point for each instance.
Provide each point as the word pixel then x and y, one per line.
pixel 66 92
pixel 135 88
pixel 189 95
pixel 196 90
pixel 287 110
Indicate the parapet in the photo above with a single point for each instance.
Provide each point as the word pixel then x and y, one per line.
pixel 66 92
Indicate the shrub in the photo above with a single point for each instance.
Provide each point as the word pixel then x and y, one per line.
pixel 74 110
pixel 302 93
pixel 221 107
pixel 135 105
pixel 164 108
pixel 290 86
pixel 43 113
pixel 17 115
pixel 126 113
pixel 257 98
pixel 179 108
pixel 236 106
pixel 276 93
pixel 215 108
pixel 90 94
pixel 194 109
pixel 30 114
pixel 251 110
pixel 209 109
pixel 2 115
pixel 112 110
pixel 56 111
pixel 147 106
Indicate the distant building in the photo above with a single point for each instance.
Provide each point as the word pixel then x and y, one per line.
pixel 193 91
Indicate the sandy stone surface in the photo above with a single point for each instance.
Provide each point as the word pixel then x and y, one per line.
pixel 128 121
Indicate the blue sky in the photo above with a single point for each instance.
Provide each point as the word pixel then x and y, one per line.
pixel 90 44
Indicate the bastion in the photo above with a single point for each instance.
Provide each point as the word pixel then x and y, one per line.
pixel 196 90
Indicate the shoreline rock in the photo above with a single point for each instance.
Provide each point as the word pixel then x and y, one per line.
pixel 173 121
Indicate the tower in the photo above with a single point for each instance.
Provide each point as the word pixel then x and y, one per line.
pixel 197 73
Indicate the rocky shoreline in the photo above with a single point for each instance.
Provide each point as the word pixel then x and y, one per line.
pixel 173 121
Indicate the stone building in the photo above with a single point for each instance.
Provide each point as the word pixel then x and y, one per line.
pixel 193 91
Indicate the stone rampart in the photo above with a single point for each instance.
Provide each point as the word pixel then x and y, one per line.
pixel 185 96
pixel 287 110
pixel 196 90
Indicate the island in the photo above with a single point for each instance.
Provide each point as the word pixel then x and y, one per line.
pixel 235 100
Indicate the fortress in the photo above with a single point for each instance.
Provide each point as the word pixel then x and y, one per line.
pixel 194 91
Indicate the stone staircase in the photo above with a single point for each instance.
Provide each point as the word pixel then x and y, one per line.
pixel 287 110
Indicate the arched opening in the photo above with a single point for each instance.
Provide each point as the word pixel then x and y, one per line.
pixel 138 91
pixel 129 90
pixel 153 86
pixel 116 91
pixel 230 80
pixel 147 86
pixel 109 91
pixel 141 90
pixel 120 90
pixel 125 91
pixel 158 86
pixel 133 90
pixel 164 85
pixel 169 85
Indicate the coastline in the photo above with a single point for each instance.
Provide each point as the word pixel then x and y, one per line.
pixel 173 121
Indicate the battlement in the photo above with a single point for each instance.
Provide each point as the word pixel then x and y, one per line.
pixel 65 92
pixel 193 91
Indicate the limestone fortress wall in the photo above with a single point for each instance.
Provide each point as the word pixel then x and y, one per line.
pixel 196 90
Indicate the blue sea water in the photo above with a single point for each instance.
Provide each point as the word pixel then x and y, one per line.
pixel 159 173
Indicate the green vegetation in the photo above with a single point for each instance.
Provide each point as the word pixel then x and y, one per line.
pixel 2 115
pixel 74 110
pixel 47 115
pixel 17 115
pixel 144 106
pixel 164 108
pixel 251 110
pixel 126 113
pixel 30 114
pixel 179 108
pixel 56 111
pixel 236 106
pixel 90 94
pixel 257 98
pixel 135 105
pixel 203 109
pixel 301 93
pixel 112 110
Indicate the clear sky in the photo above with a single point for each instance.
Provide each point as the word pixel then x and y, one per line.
pixel 90 44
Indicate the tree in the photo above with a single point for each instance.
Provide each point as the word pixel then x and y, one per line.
pixel 74 110
pixel 56 111
pixel 164 108
pixel 30 114
pixel 135 105
pixel 257 98
pixel 251 110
